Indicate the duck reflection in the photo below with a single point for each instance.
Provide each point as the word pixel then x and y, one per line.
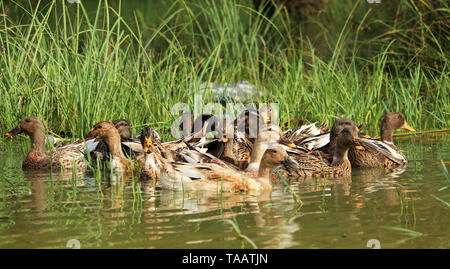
pixel 39 189
pixel 378 180
pixel 272 222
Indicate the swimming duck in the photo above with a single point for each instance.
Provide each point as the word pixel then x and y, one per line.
pixel 107 132
pixel 383 152
pixel 192 147
pixel 101 152
pixel 239 136
pixel 236 143
pixel 176 174
pixel 151 163
pixel 342 136
pixel 61 157
pixel 214 177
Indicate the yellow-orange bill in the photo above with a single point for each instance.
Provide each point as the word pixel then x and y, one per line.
pixel 288 143
pixel 357 145
pixel 223 140
pixel 265 117
pixel 407 127
pixel 148 144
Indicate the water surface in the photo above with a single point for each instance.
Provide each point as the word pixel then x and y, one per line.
pixel 399 208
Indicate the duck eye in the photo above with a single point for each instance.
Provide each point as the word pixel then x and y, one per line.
pixel 27 120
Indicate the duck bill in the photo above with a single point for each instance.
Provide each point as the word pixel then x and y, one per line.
pixel 287 143
pixel 288 162
pixel 223 140
pixel 148 145
pixel 15 131
pixel 406 127
pixel 89 136
pixel 357 145
pixel 265 117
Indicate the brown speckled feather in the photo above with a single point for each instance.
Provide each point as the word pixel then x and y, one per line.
pixel 383 152
pixel 373 157
pixel 312 166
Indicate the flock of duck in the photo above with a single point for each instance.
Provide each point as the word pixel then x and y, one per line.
pixel 232 160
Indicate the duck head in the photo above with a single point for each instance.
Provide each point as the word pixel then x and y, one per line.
pixel 251 120
pixel 273 157
pixel 102 131
pixel 148 138
pixel 107 132
pixel 277 155
pixel 346 138
pixel 390 123
pixel 341 124
pixel 124 128
pixel 29 125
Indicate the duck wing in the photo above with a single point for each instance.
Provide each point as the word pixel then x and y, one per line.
pixel 388 150
pixel 314 142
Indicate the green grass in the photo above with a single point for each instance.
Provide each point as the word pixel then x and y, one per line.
pixel 235 225
pixel 75 65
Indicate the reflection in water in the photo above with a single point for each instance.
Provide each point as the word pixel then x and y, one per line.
pixel 43 210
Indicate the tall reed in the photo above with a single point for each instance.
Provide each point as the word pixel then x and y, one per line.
pixel 75 65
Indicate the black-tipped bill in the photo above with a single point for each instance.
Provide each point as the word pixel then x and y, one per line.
pixel 288 162
pixel 14 131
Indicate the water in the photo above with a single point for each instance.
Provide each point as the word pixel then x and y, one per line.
pixel 397 209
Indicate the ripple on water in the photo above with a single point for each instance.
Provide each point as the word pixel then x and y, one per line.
pixel 43 210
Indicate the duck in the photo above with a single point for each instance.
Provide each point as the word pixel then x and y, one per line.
pixel 234 138
pixel 63 157
pixel 191 147
pixel 151 162
pixel 108 133
pixel 154 150
pixel 237 150
pixel 383 152
pixel 239 136
pixel 343 135
pixel 214 177
pixel 178 175
pixel 101 152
